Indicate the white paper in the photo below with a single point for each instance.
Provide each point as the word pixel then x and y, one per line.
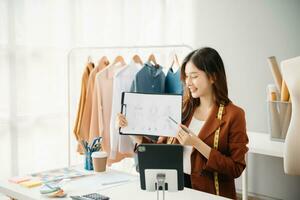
pixel 148 114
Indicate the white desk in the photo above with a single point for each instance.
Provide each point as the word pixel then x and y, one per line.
pixel 133 192
pixel 84 185
pixel 260 143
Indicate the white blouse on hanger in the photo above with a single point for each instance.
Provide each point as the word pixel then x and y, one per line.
pixel 122 83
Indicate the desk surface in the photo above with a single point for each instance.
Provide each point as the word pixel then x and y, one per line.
pixel 134 190
pixel 260 143
pixel 93 183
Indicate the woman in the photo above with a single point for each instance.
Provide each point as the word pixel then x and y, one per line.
pixel 215 145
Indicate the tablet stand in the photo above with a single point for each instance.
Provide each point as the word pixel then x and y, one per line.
pixel 161 179
pixel 160 183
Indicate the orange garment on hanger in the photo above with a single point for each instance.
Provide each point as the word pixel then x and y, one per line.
pixel 84 81
pixel 84 129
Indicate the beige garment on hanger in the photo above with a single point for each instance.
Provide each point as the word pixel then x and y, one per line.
pixel 82 101
pixel 101 109
pixel 84 129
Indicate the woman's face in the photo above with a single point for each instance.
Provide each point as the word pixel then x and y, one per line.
pixel 197 81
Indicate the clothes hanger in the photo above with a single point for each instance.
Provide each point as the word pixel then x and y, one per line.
pixel 175 63
pixel 119 59
pixel 89 60
pixel 90 63
pixel 103 62
pixel 137 59
pixel 152 60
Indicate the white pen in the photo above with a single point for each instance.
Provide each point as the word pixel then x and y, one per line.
pixel 184 128
pixel 115 182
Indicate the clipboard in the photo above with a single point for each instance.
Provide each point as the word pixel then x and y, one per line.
pixel 148 114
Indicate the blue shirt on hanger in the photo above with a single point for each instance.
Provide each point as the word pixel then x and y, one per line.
pixel 173 84
pixel 150 79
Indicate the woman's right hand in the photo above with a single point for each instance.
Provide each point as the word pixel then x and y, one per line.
pixel 121 121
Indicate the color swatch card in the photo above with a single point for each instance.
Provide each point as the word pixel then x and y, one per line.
pixel 32 183
pixel 19 179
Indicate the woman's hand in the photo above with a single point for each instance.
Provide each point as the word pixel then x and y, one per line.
pixel 186 138
pixel 121 121
pixel 161 139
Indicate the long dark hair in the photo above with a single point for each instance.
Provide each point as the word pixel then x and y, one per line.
pixel 208 60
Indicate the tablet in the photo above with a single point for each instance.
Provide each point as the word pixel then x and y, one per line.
pixel 161 159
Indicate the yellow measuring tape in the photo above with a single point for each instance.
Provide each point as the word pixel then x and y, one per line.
pixel 216 144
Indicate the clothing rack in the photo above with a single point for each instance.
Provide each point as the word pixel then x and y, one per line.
pixel 89 52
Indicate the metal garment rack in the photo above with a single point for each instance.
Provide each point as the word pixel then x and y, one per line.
pixel 104 50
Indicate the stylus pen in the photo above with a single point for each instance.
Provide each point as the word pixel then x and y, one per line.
pixel 184 128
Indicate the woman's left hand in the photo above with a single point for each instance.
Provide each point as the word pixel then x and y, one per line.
pixel 186 138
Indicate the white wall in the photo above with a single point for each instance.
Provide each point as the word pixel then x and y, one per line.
pixel 245 33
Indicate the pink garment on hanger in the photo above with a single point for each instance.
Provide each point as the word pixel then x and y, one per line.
pixel 101 108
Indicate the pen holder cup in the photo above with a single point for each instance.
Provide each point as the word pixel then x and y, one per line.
pixel 279 116
pixel 88 162
pixel 99 161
